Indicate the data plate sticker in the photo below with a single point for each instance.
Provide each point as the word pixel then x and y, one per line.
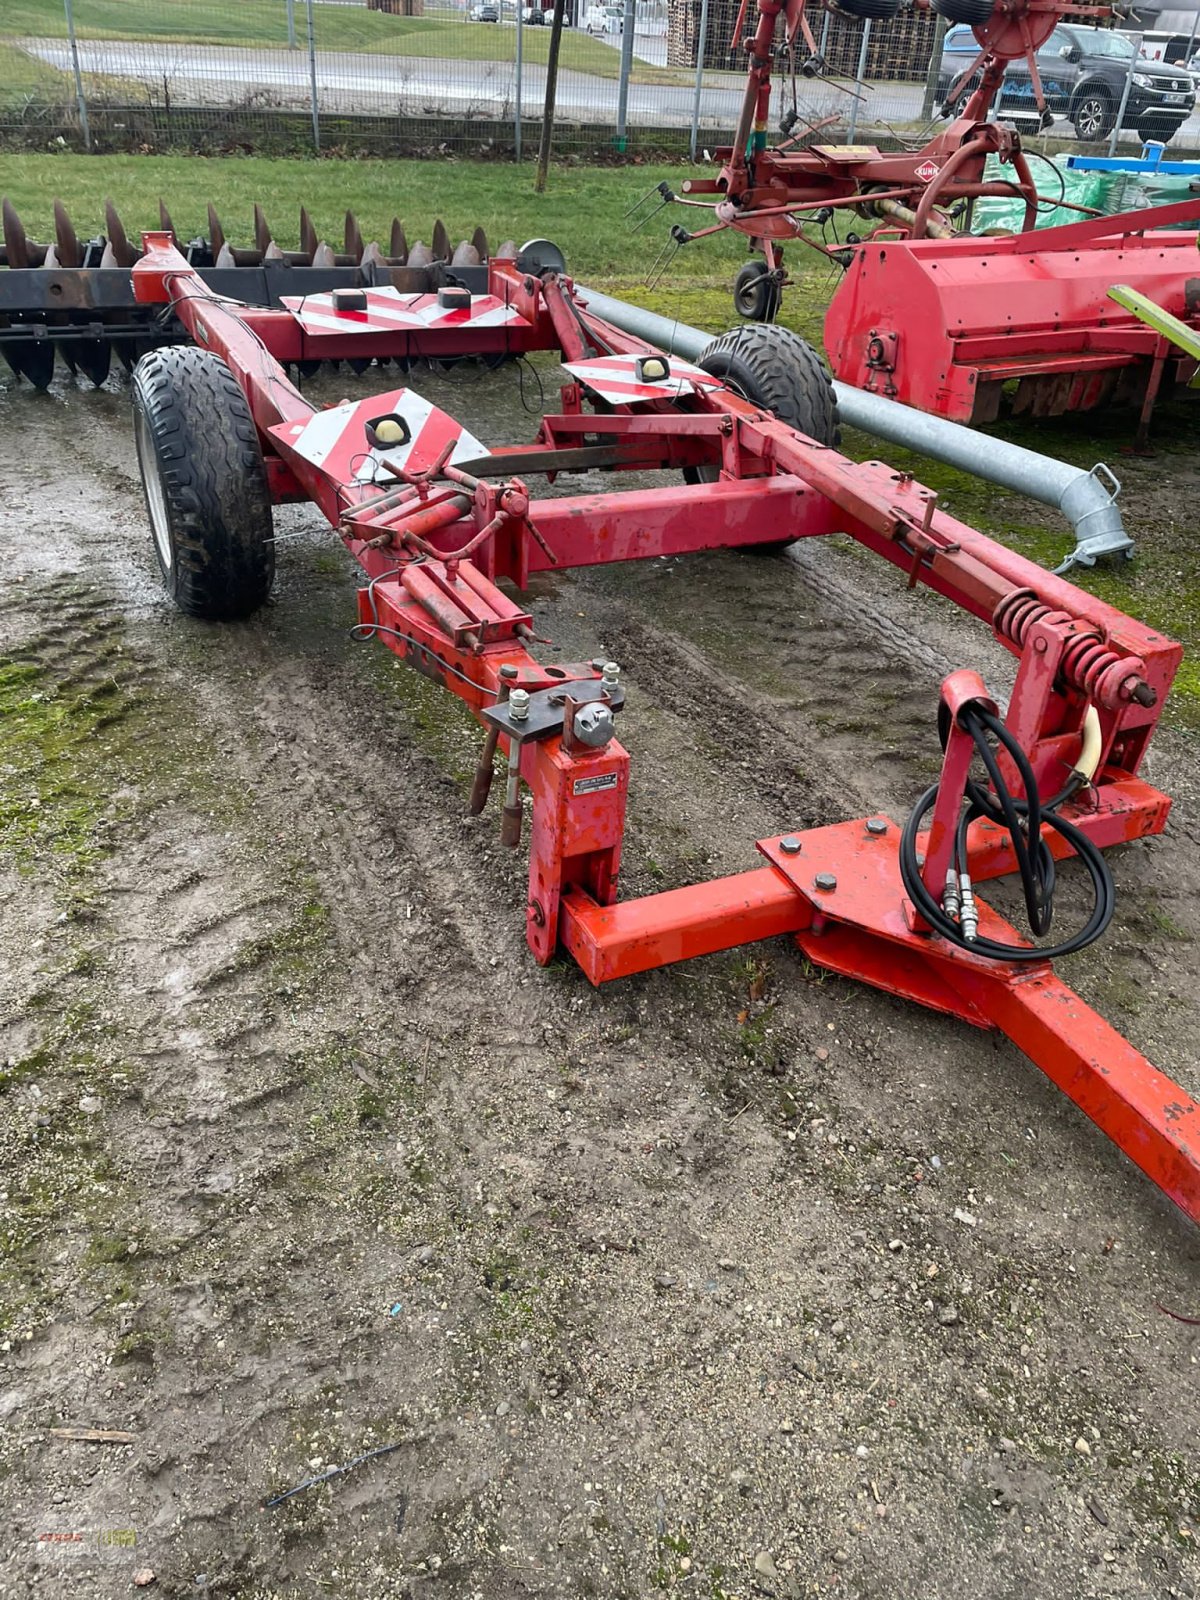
pixel 604 780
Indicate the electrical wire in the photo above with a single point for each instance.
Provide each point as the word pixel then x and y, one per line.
pixel 1044 200
pixel 1023 818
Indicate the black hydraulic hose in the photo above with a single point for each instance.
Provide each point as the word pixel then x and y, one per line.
pixel 1023 819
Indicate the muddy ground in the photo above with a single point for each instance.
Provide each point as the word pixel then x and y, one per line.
pixel 728 1280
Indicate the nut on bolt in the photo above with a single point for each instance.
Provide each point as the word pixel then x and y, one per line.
pixel 876 825
pixel 789 844
pixel 593 724
pixel 825 881
pixel 609 674
pixel 518 704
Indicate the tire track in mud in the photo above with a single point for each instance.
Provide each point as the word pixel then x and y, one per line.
pixel 824 709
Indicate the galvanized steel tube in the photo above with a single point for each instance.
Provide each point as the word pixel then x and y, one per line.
pixel 1086 499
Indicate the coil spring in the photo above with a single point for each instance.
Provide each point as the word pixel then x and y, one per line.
pixel 1088 663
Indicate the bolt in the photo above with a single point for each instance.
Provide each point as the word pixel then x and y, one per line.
pixel 597 663
pixel 518 705
pixel 609 675
pixel 876 825
pixel 825 881
pixel 790 845
pixel 508 672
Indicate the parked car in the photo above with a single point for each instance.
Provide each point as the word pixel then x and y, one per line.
pixel 1083 74
pixel 486 12
pixel 533 15
pixel 604 19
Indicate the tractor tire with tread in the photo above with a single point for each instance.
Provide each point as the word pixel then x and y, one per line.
pixel 776 369
pixel 868 10
pixel 965 13
pixel 205 483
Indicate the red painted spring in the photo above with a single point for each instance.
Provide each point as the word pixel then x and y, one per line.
pixel 1087 663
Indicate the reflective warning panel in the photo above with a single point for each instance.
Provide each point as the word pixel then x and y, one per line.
pixel 624 380
pixel 337 442
pixel 389 311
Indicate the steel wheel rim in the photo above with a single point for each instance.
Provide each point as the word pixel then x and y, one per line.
pixel 156 500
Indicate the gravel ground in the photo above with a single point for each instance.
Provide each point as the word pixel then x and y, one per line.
pixel 730 1280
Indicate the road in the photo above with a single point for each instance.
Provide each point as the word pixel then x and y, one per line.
pixel 351 82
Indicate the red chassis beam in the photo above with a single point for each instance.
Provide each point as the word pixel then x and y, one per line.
pixel 433 537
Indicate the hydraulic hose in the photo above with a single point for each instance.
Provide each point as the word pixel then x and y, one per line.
pixel 1022 817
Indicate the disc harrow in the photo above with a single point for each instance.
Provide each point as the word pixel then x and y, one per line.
pixel 71 298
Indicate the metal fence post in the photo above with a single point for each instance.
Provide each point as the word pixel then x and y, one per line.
pixel 627 31
pixel 701 45
pixel 291 19
pixel 520 57
pixel 1137 52
pixel 858 78
pixel 934 70
pixel 312 76
pixel 79 99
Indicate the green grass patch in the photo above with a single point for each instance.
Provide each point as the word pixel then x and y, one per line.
pixel 26 82
pixel 447 35
pixel 584 207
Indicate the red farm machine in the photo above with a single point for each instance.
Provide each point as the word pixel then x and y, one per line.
pixel 927 313
pixel 438 522
pixel 71 298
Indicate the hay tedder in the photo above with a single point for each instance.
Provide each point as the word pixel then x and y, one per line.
pixel 438 523
pixel 927 313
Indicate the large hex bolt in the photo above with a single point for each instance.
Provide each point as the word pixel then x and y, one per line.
pixel 593 725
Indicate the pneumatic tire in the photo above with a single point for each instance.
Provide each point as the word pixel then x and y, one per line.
pixel 776 369
pixel 868 10
pixel 968 13
pixel 205 484
pixel 756 292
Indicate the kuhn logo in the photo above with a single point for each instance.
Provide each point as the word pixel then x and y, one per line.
pixel 928 171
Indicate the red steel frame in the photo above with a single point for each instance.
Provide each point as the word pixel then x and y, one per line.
pixel 765 189
pixel 433 547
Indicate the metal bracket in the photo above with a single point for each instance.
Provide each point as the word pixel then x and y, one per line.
pixel 547 709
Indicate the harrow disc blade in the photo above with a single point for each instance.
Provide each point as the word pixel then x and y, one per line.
pixel 398 245
pixel 309 243
pixel 32 359
pixel 480 240
pixel 93 357
pixel 441 242
pixel 123 253
pixel 216 237
pixel 353 237
pixel 66 243
pixel 264 241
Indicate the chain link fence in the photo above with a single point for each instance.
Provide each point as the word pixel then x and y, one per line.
pixel 468 76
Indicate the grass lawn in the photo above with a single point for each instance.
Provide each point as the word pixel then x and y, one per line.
pixel 447 34
pixel 584 212
pixel 23 78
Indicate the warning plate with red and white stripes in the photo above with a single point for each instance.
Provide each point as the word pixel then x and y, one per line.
pixel 615 379
pixel 389 311
pixel 336 440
